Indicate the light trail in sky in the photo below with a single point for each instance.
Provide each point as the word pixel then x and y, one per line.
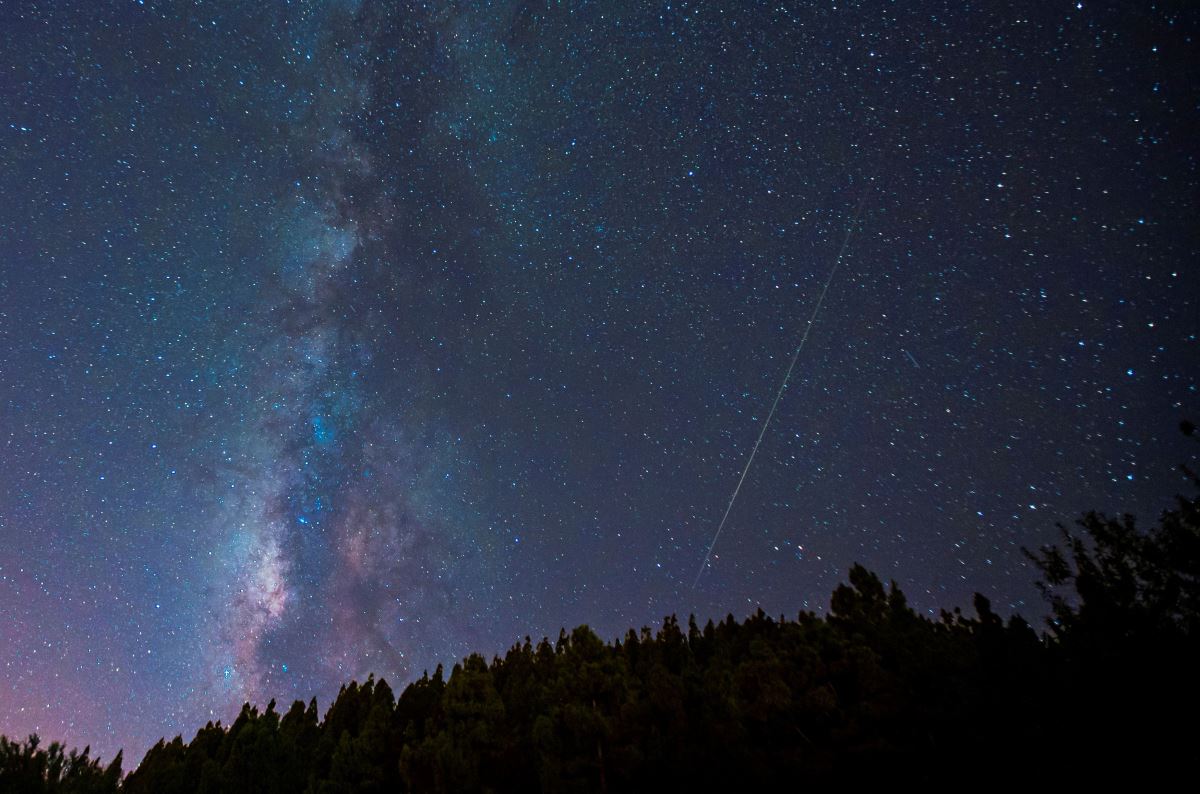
pixel 783 384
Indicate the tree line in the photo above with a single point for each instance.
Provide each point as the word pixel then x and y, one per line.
pixel 872 692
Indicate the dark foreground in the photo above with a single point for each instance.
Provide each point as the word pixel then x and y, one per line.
pixel 873 693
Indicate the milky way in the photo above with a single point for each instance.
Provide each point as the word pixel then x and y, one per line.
pixel 325 552
pixel 351 337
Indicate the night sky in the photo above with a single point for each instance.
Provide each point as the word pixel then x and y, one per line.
pixel 352 337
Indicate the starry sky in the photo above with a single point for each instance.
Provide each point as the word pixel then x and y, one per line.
pixel 353 336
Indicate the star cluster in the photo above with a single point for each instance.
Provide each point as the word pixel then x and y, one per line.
pixel 350 337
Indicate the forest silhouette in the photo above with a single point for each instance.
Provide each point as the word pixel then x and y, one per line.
pixel 871 693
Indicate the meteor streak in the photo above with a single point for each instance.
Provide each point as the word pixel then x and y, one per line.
pixel 783 384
